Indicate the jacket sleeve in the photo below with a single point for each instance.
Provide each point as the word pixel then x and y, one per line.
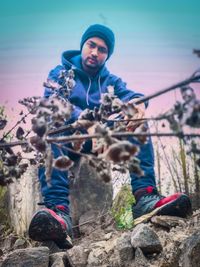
pixel 54 76
pixel 125 94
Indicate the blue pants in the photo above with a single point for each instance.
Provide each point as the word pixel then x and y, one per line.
pixel 58 191
pixel 146 157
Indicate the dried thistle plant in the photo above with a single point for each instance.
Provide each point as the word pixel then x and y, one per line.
pixel 54 112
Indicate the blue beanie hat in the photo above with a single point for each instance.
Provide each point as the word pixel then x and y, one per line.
pixel 103 32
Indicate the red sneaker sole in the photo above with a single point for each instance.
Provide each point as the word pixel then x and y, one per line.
pixel 44 227
pixel 180 207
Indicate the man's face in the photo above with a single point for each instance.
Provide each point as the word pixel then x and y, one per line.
pixel 94 54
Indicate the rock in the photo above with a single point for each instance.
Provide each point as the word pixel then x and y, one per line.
pixel 124 247
pixel 98 244
pixel 146 239
pixel 114 260
pixel 1 252
pixel 108 236
pixel 53 248
pixel 9 242
pixel 59 260
pixel 168 221
pixel 100 252
pixel 20 243
pixel 29 257
pixel 195 218
pixel 107 246
pixel 91 217
pixel 23 195
pixel 2 229
pixel 79 255
pixel 170 257
pixel 94 197
pixel 140 260
pixel 190 251
pixel 110 246
pixel 96 257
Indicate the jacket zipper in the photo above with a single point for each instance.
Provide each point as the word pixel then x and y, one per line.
pixel 89 86
pixel 99 85
pixel 87 94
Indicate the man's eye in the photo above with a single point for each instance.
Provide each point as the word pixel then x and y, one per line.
pixel 91 45
pixel 102 50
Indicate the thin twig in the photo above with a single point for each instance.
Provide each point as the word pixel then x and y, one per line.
pixel 68 139
pixel 11 144
pixel 77 126
pixel 163 91
pixel 63 129
pixel 92 220
pixel 17 123
pixel 142 119
pixel 70 150
pixel 166 158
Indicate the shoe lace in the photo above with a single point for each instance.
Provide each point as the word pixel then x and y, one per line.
pixel 56 208
pixel 153 196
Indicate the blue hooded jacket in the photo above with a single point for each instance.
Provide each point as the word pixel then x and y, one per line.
pixel 87 90
pixel 86 94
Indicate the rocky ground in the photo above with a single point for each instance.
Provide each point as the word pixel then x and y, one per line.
pixel 163 241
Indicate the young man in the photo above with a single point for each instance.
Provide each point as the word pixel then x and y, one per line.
pixel 92 78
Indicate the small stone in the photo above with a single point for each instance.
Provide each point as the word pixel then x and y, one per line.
pixel 146 239
pixel 20 243
pixel 79 255
pixel 2 227
pixel 110 246
pixel 140 260
pixel 98 244
pixel 168 221
pixel 96 257
pixel 9 242
pixel 59 259
pixel 108 236
pixel 124 247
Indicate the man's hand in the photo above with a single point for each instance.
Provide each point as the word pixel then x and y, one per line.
pixel 138 114
pixel 97 145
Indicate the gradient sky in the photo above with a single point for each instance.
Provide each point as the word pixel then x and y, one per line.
pixel 154 42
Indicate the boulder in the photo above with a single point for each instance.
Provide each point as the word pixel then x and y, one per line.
pixel 29 257
pixel 88 194
pixel 190 250
pixel 146 239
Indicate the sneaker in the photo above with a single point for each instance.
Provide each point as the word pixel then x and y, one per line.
pixel 149 200
pixel 56 226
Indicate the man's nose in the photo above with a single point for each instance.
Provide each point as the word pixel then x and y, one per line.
pixel 94 52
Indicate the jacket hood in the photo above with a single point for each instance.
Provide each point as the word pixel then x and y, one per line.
pixel 72 58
